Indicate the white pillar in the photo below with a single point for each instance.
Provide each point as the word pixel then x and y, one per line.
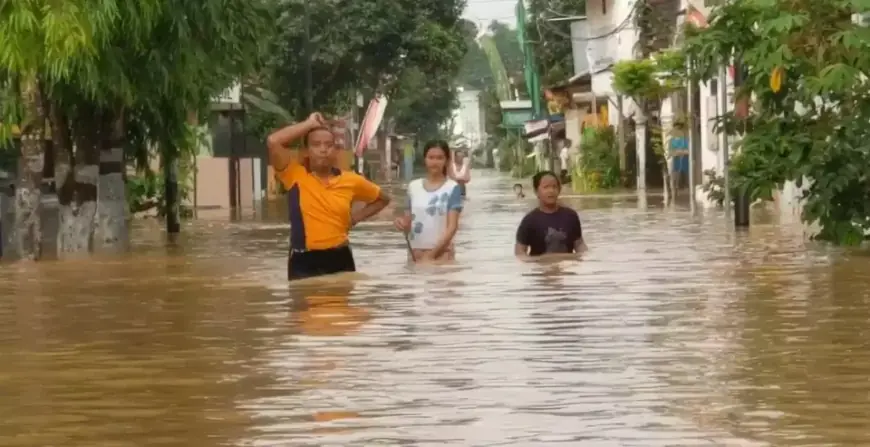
pixel 258 180
pixel 640 148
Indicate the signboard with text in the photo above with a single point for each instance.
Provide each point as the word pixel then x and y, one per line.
pixel 516 118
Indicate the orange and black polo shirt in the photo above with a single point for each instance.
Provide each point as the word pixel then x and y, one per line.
pixel 320 211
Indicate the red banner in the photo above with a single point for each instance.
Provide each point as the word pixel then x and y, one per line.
pixel 370 123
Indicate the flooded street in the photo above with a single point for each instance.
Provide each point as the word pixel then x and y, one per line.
pixel 672 331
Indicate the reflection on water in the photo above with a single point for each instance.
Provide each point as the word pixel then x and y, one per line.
pixel 671 331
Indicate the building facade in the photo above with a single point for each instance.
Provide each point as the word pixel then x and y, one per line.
pixel 612 37
pixel 468 120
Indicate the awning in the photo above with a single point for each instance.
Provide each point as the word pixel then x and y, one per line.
pixel 535 127
pixel 540 130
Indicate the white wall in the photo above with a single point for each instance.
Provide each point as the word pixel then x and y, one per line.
pixel 468 121
pixel 711 155
pixel 579 45
pixel 603 17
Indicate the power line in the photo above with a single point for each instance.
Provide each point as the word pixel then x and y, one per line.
pixel 626 22
pixel 491 19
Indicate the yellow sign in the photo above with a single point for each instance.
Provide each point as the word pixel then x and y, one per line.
pixel 776 79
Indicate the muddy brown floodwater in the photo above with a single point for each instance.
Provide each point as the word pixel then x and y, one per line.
pixel 672 331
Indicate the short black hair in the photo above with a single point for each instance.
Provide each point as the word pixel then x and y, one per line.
pixel 518 185
pixel 536 180
pixel 316 129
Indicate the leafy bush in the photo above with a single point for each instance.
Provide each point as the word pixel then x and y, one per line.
pixel 804 66
pixel 597 166
pixel 507 152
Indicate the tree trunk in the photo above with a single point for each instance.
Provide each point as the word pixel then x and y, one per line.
pixel 170 189
pixel 76 233
pixel 620 136
pixel 28 194
pixel 111 233
pixel 63 176
pixel 667 188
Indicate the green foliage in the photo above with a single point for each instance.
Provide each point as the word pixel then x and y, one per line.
pixel 598 166
pixel 508 46
pixel 492 114
pixel 145 187
pixel 636 78
pixel 512 152
pixel 421 103
pixel 714 187
pixel 653 79
pixel 360 46
pixel 474 70
pixel 148 64
pixel 8 156
pixel 815 127
pixel 501 81
pixel 145 192
pixel 552 41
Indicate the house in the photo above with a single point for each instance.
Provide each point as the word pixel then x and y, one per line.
pixel 469 119
pixel 613 36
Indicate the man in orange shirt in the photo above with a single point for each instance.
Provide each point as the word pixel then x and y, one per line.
pixel 320 198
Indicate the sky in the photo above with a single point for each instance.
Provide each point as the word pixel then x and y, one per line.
pixel 484 11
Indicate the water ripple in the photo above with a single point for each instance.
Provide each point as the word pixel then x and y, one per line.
pixel 672 331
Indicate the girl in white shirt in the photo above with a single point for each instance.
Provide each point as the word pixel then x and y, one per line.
pixel 434 205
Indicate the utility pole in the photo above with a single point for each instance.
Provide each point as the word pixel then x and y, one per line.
pixel 309 82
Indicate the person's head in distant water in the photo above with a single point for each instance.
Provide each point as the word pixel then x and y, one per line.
pixel 436 155
pixel 518 190
pixel 320 144
pixel 547 188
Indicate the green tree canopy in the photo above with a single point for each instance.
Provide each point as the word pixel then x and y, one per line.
pixel 474 71
pixel 360 46
pixel 815 126
pixel 107 75
pixel 508 45
pixel 552 41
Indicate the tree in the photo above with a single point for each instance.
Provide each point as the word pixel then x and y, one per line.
pixel 648 82
pixel 806 65
pixel 552 43
pixel 508 46
pixel 655 75
pixel 475 71
pixel 408 52
pixel 358 46
pixel 41 44
pixel 421 103
pixel 102 77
